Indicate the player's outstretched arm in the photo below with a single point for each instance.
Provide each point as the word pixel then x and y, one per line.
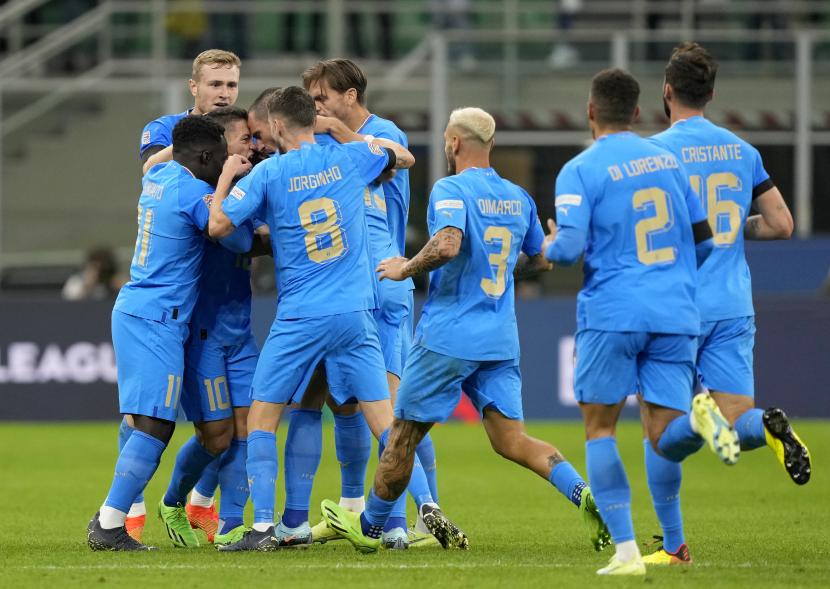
pixel 403 158
pixel 159 157
pixel 219 224
pixel 774 221
pixel 439 250
pixel 563 246
pixel 529 266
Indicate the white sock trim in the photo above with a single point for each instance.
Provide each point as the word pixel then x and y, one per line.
pixel 137 509
pixel 353 504
pixel 196 498
pixel 263 526
pixel 110 518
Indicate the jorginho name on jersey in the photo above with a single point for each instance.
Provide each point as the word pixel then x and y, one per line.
pixel 312 200
pixel 470 312
pixel 159 131
pixel 727 174
pixel 636 206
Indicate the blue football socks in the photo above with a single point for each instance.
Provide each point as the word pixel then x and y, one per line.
pixel 374 517
pixel 191 461
pixel 262 474
pixel 138 460
pixel 303 448
pixel 678 439
pixel 207 483
pixel 567 481
pixel 233 479
pixel 353 445
pixel 609 486
pixel 750 428
pixel 426 454
pixel 124 432
pixel 664 478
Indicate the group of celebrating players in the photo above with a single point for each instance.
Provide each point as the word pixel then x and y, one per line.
pixel 310 176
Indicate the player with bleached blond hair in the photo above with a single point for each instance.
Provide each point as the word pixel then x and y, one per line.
pixel 485 231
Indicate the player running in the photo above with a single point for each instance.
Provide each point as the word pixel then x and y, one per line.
pixel 629 206
pixel 467 336
pixel 729 178
pixel 220 358
pixel 214 83
pixel 152 312
pixel 312 197
pixel 338 87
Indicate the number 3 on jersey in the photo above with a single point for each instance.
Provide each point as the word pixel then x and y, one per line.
pixel 646 229
pixel 493 234
pixel 323 239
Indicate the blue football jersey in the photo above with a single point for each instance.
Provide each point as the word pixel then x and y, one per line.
pixel 726 173
pixel 396 191
pixel 223 309
pixel 312 199
pixel 160 131
pixel 164 274
pixel 470 311
pixel 635 204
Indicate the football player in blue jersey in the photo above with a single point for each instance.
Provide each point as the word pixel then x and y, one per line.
pixel 629 206
pixel 312 199
pixel 484 231
pixel 263 142
pixel 729 178
pixel 152 312
pixel 220 358
pixel 338 87
pixel 214 84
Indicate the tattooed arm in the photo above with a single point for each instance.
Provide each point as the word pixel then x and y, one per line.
pixel 439 250
pixel 528 266
pixel 774 220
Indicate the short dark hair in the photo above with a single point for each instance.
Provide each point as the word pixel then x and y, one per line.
pixel 614 94
pixel 196 133
pixel 226 115
pixel 691 73
pixel 295 106
pixel 340 74
pixel 259 107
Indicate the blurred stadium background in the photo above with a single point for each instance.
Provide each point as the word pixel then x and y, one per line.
pixel 80 78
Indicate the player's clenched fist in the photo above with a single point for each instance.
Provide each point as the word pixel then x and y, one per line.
pixel 236 166
pixel 392 268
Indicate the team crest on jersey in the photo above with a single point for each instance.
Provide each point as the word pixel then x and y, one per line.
pixel 145 138
pixel 237 193
pixel 208 198
pixel 375 148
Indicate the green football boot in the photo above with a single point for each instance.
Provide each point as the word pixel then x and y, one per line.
pixel 232 536
pixel 597 530
pixel 177 525
pixel 347 524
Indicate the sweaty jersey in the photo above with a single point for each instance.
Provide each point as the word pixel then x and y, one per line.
pixel 727 174
pixel 223 310
pixel 159 131
pixel 312 200
pixel 470 311
pixel 164 274
pixel 636 206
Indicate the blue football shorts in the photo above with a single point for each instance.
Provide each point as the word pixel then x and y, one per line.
pixel 346 343
pixel 432 384
pixel 393 318
pixel 149 356
pixel 724 355
pixel 217 378
pixel 612 365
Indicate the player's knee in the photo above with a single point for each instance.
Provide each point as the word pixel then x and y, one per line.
pixel 160 429
pixel 219 442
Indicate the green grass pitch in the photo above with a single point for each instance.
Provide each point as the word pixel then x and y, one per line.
pixel 746 525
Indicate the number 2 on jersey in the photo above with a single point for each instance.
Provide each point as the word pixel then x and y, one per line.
pixel 321 220
pixel 494 234
pixel 646 229
pixel 720 209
